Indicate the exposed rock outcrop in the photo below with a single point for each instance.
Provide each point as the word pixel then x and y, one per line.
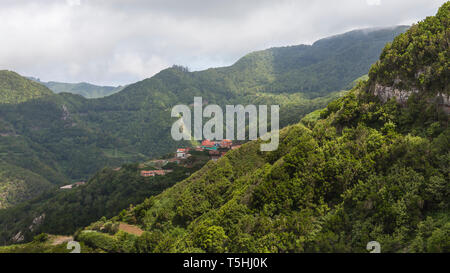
pixel 37 222
pixel 385 93
pixel 18 237
pixel 66 114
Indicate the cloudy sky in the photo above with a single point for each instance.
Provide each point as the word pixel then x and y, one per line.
pixel 114 42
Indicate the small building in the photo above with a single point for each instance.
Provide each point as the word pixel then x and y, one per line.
pixel 226 143
pixel 159 172
pixel 155 172
pixel 66 187
pixel 208 143
pixel 147 173
pixel 234 147
pixel 181 153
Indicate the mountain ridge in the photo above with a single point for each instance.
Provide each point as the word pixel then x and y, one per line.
pixel 85 89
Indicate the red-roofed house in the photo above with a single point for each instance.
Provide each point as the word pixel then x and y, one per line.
pixel 226 143
pixel 159 172
pixel 181 153
pixel 207 143
pixel 147 173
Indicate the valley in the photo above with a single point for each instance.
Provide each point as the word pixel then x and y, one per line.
pixel 363 154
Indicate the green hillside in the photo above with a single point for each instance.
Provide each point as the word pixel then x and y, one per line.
pixel 65 137
pixel 18 184
pixel 361 170
pixel 281 76
pixel 16 89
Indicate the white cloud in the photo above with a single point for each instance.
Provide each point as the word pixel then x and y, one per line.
pixel 73 2
pixel 373 2
pixel 122 41
pixel 134 64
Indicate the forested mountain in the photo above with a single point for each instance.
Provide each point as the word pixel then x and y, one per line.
pixel 299 78
pixel 43 137
pixel 372 166
pixel 26 169
pixel 87 90
pixel 65 137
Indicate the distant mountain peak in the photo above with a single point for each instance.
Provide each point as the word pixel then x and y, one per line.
pixel 85 89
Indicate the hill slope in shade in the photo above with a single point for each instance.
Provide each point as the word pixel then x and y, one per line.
pixel 18 184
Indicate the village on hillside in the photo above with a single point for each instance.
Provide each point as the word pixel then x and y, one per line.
pixel 213 149
pixel 185 157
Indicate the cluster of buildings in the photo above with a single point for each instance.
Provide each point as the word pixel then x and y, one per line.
pixel 215 149
pixel 214 145
pixel 183 153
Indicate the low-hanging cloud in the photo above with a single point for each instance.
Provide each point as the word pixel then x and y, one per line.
pixel 122 41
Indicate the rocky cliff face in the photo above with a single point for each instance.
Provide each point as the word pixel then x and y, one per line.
pixel 385 93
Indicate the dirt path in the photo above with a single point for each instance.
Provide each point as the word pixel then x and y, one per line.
pixel 57 240
pixel 130 229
